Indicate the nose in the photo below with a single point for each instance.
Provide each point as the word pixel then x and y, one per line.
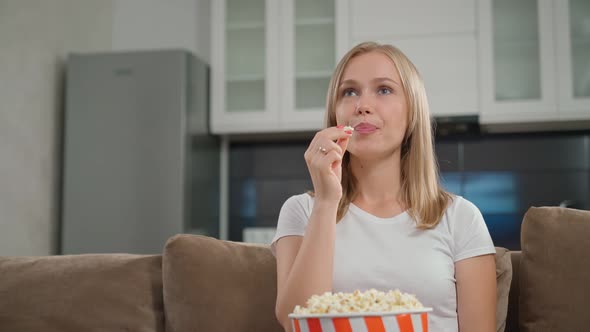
pixel 364 104
pixel 363 108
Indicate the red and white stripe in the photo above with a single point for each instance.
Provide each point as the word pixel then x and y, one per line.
pixel 391 323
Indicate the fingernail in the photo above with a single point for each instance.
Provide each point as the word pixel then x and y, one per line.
pixel 349 132
pixel 339 127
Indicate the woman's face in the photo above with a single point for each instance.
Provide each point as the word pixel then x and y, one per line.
pixel 371 99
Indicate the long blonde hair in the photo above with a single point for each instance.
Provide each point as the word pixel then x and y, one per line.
pixel 421 191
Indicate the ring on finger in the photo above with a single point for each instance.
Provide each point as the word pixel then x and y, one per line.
pixel 323 150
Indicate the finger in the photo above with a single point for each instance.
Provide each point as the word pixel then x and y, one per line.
pixel 343 144
pixel 325 139
pixel 326 146
pixel 335 133
pixel 325 162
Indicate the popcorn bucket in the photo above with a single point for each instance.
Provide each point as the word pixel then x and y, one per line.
pixel 415 320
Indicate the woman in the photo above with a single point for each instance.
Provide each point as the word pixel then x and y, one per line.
pixel 378 217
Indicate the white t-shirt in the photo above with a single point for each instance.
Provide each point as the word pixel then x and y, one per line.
pixel 391 253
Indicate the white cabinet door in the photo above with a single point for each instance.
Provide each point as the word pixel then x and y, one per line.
pixel 572 22
pixel 314 38
pixel 447 65
pixel 309 55
pixel 393 18
pixel 272 61
pixel 244 66
pixel 517 60
pixel 438 37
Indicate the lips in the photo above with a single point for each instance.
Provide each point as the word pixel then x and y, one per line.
pixel 365 128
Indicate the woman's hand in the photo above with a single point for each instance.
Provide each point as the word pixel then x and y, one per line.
pixel 324 162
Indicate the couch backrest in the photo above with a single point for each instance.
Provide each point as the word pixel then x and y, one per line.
pixel 213 285
pixel 110 292
pixel 554 272
pixel 231 286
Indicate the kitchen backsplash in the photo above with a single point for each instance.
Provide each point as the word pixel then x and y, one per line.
pixel 501 174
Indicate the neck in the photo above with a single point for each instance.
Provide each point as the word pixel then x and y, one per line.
pixel 378 180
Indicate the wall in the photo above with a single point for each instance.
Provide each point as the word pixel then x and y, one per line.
pixel 153 24
pixel 35 38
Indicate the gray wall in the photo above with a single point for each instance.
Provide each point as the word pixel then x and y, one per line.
pixel 35 36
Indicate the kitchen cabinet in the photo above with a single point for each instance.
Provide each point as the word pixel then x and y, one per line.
pixel 271 63
pixel 573 58
pixel 534 60
pixel 371 18
pixel 438 37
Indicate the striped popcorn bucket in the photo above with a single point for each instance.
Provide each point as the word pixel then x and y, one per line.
pixel 403 321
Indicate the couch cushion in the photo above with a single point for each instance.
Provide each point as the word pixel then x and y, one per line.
pixel 503 279
pixel 197 269
pixel 213 285
pixel 115 292
pixel 555 270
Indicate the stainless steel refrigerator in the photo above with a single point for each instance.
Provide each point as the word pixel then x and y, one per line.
pixel 139 164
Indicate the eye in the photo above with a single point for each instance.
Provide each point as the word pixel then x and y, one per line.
pixel 384 90
pixel 349 92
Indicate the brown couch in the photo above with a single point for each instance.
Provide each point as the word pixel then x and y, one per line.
pixel 551 275
pixel 204 284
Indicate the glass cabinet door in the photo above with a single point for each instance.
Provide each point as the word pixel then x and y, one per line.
pixel 244 66
pixel 579 26
pixel 245 56
pixel 516 53
pixel 309 55
pixel 314 48
pixel 573 52
pixel 518 60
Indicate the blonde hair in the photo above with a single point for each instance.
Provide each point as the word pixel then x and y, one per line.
pixel 421 191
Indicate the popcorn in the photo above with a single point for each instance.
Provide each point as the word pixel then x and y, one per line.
pixel 348 128
pixel 369 301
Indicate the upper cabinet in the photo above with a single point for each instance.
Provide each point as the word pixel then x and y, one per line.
pixel 535 60
pixel 506 61
pixel 271 63
pixel 573 58
pixel 309 50
pixel 244 59
pixel 439 37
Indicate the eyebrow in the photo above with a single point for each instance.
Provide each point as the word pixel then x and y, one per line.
pixel 377 79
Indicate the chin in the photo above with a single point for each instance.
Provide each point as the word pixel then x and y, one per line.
pixel 362 152
pixel 370 151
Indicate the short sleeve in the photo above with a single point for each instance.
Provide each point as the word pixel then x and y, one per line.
pixel 471 235
pixel 293 218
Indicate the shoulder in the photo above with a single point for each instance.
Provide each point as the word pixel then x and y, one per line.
pixel 300 203
pixel 468 230
pixel 303 200
pixel 461 213
pixel 293 218
pixel 460 207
